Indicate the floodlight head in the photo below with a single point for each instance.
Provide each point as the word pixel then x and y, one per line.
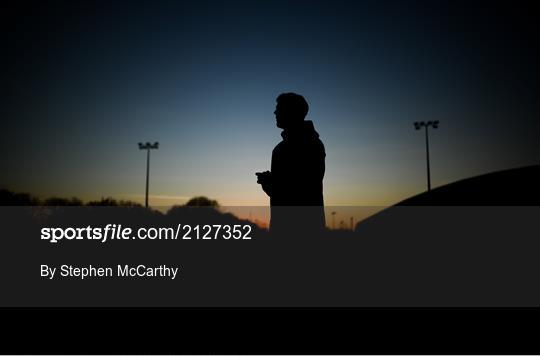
pixel 436 124
pixel 141 146
pixel 417 125
pixel 156 144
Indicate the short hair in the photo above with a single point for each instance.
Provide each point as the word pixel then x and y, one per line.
pixel 295 103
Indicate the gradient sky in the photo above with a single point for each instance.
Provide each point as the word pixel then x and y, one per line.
pixel 87 82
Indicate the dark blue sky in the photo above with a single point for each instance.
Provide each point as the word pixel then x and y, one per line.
pixel 86 82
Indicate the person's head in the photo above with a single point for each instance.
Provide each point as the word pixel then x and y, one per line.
pixel 291 110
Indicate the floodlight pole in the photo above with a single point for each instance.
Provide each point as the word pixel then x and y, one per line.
pixel 147 176
pixel 427 160
pixel 418 125
pixel 148 146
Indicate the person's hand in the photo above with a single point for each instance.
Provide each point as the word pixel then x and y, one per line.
pixel 263 177
pixel 265 180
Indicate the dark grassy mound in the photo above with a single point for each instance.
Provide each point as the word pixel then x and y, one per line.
pixel 513 187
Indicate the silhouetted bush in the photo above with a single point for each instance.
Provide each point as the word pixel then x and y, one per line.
pixel 9 198
pixel 202 201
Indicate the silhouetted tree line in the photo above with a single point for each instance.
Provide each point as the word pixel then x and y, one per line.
pixel 198 210
pixel 9 198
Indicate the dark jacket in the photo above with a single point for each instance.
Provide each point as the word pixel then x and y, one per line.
pixel 297 176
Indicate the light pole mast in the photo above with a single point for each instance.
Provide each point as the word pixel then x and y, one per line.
pixel 418 125
pixel 148 146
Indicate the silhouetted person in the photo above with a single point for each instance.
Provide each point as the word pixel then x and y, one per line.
pixel 297 170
